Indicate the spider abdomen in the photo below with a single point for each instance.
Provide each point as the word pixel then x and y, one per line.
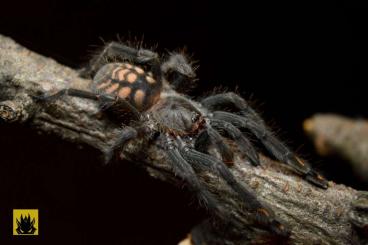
pixel 128 82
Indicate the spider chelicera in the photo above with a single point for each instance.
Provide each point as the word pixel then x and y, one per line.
pixel 135 85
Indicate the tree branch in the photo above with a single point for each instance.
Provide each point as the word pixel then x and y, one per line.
pixel 315 216
pixel 348 138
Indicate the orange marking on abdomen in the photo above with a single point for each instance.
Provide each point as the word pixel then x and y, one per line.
pixel 113 73
pixel 139 97
pixel 124 92
pixel 131 77
pixel 122 73
pixel 104 85
pixel 129 66
pixel 112 88
pixel 150 79
pixel 138 70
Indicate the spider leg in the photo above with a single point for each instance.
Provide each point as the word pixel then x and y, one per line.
pixel 121 52
pixel 211 136
pixel 244 145
pixel 102 98
pixel 263 215
pixel 202 142
pixel 125 135
pixel 179 72
pixel 185 171
pixel 275 146
pixel 233 101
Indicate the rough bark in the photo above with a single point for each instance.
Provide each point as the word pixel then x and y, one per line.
pixel 314 215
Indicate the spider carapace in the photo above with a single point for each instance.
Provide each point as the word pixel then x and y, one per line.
pixel 137 82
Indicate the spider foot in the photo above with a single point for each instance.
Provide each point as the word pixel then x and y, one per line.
pixel 316 179
pixel 305 170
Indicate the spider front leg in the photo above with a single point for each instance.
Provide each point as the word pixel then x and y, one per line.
pixel 273 145
pixel 244 145
pixel 250 120
pixel 231 101
pixel 263 215
pixel 211 136
pixel 120 52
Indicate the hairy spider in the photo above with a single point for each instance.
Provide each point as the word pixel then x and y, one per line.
pixel 136 83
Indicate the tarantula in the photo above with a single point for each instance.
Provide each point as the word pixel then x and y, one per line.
pixel 134 86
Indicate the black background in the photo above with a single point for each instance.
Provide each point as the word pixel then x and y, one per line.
pixel 291 63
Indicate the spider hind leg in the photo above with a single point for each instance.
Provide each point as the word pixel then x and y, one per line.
pixel 106 101
pixel 119 52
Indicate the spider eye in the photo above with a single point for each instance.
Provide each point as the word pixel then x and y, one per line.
pixel 195 117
